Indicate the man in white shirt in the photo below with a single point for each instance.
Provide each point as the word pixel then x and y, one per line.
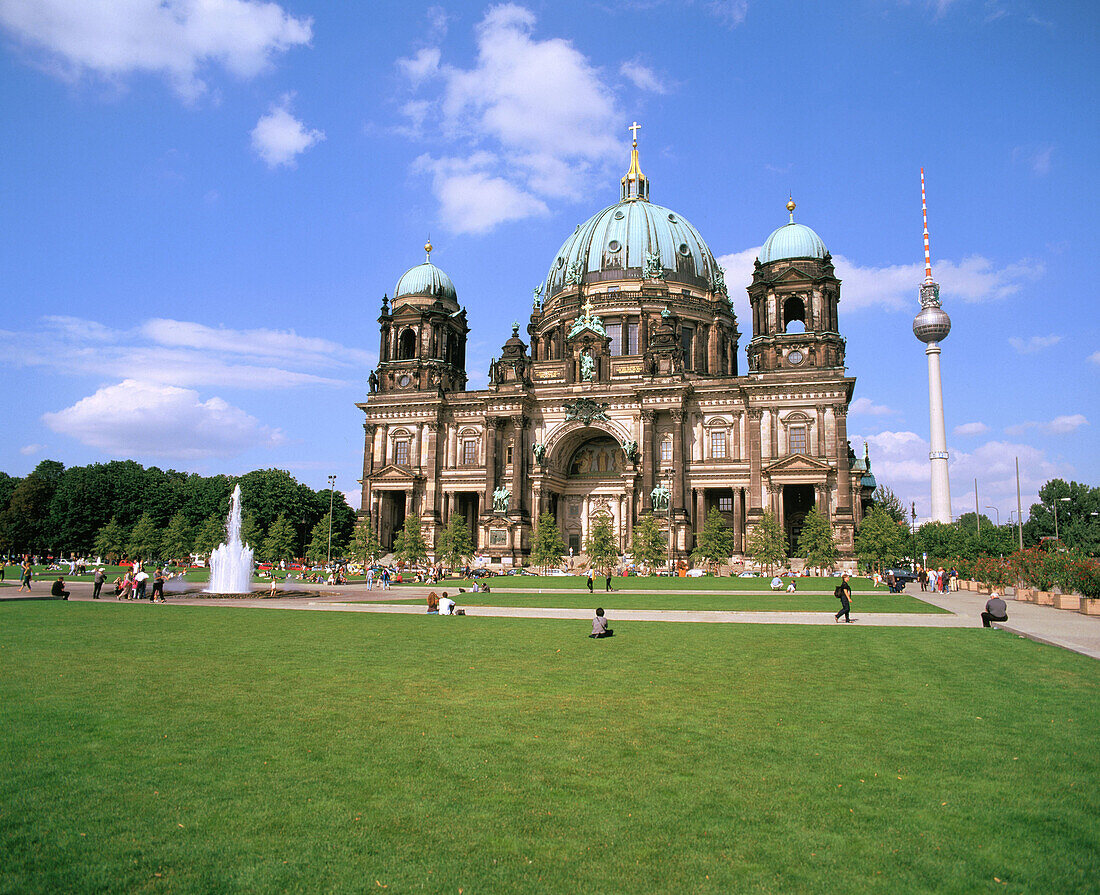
pixel 446 605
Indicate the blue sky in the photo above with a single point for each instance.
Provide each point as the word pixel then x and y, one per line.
pixel 203 204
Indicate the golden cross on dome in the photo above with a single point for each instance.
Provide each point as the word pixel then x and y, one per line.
pixel 634 128
pixel 588 308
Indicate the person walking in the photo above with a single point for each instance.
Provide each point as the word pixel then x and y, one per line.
pixel 158 586
pixel 607 587
pixel 591 576
pixel 843 593
pixel 98 579
pixel 28 574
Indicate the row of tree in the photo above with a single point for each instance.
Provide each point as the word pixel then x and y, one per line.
pixel 139 511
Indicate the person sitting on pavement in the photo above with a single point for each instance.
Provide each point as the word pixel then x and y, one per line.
pixel 995 610
pixel 599 626
pixel 58 589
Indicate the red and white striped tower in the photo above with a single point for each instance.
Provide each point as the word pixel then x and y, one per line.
pixel 931 326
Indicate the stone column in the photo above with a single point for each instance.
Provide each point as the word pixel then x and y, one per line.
pixel 820 432
pixel 431 469
pixel 700 509
pixel 700 452
pixel 843 472
pixel 773 435
pixel 649 450
pixel 380 439
pixel 712 349
pixel 755 465
pixel 679 472
pixel 735 438
pixel 519 457
pixel 738 520
pixel 490 454
pixel 628 513
pixel 410 502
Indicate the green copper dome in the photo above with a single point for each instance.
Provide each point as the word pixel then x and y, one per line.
pixel 426 280
pixel 792 241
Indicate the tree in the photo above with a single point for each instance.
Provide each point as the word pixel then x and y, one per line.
pixel 715 541
pixel 251 533
pixel 144 540
pixel 1077 527
pixel 318 549
pixel 816 543
pixel 110 541
pixel 409 544
pixel 547 546
pixel 885 497
pixel 365 546
pixel 455 543
pixel 178 538
pixel 649 544
pixel 210 534
pixel 28 512
pixel 600 546
pixel 880 541
pixel 281 541
pixel 768 543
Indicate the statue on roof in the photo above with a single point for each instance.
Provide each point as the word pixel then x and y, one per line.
pixel 653 269
pixel 588 366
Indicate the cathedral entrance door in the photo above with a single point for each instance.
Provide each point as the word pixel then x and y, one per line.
pixel 594 491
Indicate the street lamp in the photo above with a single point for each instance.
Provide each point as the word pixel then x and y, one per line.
pixel 997 511
pixel 1056 502
pixel 331 489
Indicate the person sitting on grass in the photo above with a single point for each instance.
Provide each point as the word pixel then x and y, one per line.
pixel 446 605
pixel 599 626
pixel 995 610
pixel 433 603
pixel 790 587
pixel 58 589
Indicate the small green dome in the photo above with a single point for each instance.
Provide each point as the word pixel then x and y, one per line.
pixel 792 241
pixel 425 280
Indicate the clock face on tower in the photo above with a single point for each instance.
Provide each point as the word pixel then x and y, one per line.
pixel 794 358
pixel 404 380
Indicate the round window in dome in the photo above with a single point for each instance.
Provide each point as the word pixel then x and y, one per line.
pixel 672 218
pixel 684 250
pixel 561 261
pixel 614 245
pixel 619 215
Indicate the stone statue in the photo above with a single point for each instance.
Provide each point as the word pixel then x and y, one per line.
pixel 653 269
pixel 630 448
pixel 493 371
pixel 537 291
pixel 588 366
pixel 540 452
pixel 660 497
pixel 719 283
pixel 373 381
pixel 573 275
pixel 501 498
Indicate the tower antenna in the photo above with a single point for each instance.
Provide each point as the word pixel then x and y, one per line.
pixel 924 212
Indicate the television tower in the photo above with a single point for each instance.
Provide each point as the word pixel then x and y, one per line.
pixel 931 326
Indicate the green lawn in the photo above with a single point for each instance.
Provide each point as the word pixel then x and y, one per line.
pixel 181 749
pixel 685 600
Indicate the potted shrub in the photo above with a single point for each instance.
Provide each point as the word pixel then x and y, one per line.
pixel 1087 582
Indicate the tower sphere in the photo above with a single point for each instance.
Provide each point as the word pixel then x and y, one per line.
pixel 931 325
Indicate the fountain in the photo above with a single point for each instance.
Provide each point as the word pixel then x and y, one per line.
pixel 231 562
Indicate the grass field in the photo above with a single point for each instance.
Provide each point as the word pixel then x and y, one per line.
pixel 678 599
pixel 180 749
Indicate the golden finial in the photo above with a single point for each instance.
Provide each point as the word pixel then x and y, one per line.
pixel 428 249
pixel 791 207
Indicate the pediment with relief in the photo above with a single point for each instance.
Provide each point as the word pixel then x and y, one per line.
pixel 392 473
pixel 797 463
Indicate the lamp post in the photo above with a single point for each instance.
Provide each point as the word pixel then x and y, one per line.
pixel 331 489
pixel 1056 502
pixel 913 511
pixel 997 511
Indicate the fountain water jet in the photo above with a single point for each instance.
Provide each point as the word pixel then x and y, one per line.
pixel 231 562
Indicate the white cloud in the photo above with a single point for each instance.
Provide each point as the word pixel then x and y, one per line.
pixel 175 352
pixel 279 138
pixel 897 286
pixel 1035 343
pixel 970 429
pixel 144 419
pixel 867 407
pixel 1038 158
pixel 354 498
pixel 1060 425
pixel 530 120
pixel 424 64
pixel 174 38
pixel 643 77
pixel 29 449
pixel 1094 357
pixel 473 200
pixel 900 460
pixel 730 12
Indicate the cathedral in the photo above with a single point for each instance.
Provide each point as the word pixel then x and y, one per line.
pixel 625 398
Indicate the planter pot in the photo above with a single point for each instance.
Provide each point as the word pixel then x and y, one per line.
pixel 1024 594
pixel 1044 598
pixel 1067 601
pixel 984 589
pixel 1090 605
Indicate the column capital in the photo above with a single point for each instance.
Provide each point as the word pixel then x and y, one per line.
pixel 755 413
pixel 840 411
pixel 677 415
pixel 491 422
pixel 649 416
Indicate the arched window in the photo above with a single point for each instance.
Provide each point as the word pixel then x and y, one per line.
pixel 794 315
pixel 406 345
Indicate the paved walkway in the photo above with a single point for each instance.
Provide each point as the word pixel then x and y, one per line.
pixel 1045 624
